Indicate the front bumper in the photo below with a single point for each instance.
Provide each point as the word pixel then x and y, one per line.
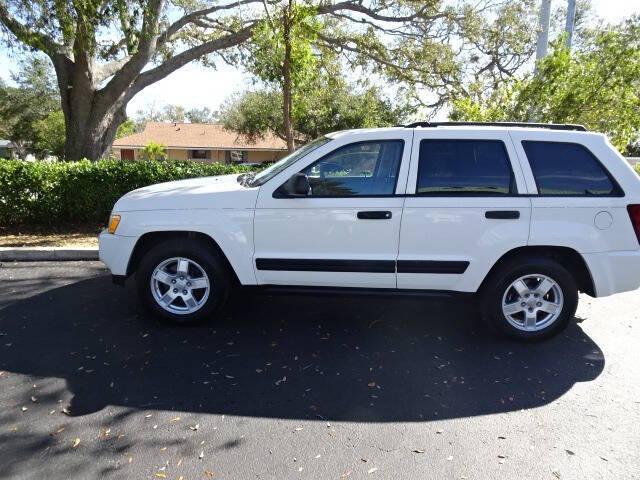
pixel 115 251
pixel 614 272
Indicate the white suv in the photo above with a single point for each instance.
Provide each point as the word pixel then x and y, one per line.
pixel 524 215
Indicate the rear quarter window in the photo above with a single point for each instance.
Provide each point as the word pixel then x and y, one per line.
pixel 568 169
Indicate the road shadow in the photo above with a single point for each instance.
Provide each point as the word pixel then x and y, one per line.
pixel 294 357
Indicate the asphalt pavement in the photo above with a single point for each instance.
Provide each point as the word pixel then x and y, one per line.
pixel 288 387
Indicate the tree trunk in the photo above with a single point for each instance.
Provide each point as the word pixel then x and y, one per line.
pixel 93 140
pixel 92 117
pixel 286 84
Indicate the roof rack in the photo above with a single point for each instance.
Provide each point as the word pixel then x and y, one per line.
pixel 550 126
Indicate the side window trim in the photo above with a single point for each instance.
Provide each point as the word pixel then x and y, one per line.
pixel 513 186
pixel 361 142
pixel 617 193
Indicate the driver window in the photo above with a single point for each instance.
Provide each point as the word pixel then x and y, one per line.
pixel 359 169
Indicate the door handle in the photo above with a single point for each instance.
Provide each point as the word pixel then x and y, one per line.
pixel 375 215
pixel 502 214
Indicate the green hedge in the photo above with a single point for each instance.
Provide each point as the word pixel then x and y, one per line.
pixel 66 193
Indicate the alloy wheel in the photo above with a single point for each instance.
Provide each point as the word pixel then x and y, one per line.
pixel 180 286
pixel 532 302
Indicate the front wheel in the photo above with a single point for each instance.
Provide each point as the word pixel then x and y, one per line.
pixel 182 281
pixel 529 299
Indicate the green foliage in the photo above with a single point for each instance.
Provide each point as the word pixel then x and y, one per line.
pixel 63 193
pixel 597 86
pixel 327 105
pixel 49 134
pixel 154 152
pixel 175 114
pixel 32 100
pixel 268 45
pixel 128 127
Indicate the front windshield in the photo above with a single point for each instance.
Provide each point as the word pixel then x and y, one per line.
pixel 268 173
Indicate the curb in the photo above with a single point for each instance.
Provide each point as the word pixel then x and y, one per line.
pixel 46 254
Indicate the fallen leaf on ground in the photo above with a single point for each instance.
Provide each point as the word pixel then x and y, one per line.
pixel 161 475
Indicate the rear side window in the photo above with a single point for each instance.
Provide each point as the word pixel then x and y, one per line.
pixel 568 169
pixel 459 167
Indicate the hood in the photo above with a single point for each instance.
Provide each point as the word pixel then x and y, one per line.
pixel 195 193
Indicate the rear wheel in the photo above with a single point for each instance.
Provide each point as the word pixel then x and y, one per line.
pixel 529 298
pixel 182 281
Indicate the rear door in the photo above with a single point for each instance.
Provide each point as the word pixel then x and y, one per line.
pixel 463 210
pixel 345 231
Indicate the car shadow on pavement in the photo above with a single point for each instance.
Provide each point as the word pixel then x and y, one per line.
pixel 294 357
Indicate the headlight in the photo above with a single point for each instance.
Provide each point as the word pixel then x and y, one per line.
pixel 114 221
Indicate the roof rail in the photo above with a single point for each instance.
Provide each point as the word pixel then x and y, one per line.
pixel 550 126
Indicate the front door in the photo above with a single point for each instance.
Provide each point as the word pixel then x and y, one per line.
pixel 345 231
pixel 463 210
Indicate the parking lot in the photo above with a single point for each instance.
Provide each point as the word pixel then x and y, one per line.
pixel 306 387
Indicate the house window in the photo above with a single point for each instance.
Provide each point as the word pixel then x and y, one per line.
pixel 236 156
pixel 200 154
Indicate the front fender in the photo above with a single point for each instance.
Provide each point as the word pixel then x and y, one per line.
pixel 231 229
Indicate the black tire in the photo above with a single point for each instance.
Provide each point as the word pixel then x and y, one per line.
pixel 206 258
pixel 499 281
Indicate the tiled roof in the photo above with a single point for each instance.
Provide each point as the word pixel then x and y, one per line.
pixel 197 135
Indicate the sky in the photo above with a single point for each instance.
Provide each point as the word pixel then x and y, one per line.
pixel 194 86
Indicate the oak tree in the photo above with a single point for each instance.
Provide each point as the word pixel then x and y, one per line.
pixel 106 51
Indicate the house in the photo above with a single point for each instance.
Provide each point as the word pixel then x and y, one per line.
pixel 203 142
pixel 7 149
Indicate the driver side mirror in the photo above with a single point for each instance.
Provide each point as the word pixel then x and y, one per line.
pixel 297 186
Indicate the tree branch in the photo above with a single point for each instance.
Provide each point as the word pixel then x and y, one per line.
pixel 356 6
pixel 102 72
pixel 127 73
pixel 161 71
pixel 34 39
pixel 176 26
